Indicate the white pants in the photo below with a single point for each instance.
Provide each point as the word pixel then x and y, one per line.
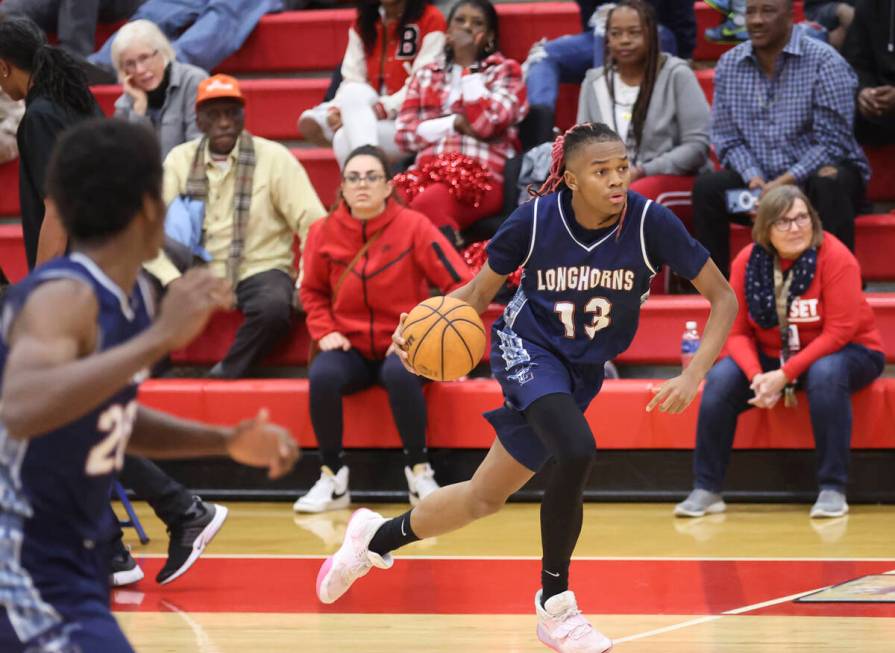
pixel 360 126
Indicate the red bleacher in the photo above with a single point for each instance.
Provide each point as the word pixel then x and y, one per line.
pixel 875 238
pixel 617 416
pixel 272 105
pixel 657 341
pixel 323 35
pixel 320 164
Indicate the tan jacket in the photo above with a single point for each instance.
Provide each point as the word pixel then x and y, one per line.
pixel 284 203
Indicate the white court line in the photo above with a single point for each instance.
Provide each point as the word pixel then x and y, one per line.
pixel 322 556
pixel 666 629
pixel 726 613
pixel 630 638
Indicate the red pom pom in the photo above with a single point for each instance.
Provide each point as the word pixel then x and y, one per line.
pixel 467 179
pixel 476 256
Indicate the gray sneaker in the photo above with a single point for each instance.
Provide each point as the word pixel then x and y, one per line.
pixel 830 503
pixel 700 503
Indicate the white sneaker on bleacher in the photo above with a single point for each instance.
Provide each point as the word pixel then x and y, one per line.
pixel 330 492
pixel 420 482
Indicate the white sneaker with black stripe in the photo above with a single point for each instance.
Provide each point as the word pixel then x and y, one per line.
pixel 330 492
pixel 420 482
pixel 123 569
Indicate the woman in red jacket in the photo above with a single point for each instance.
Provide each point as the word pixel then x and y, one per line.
pixel 828 343
pixel 365 264
pixel 459 117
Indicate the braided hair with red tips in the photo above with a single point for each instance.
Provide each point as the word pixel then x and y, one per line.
pixel 565 145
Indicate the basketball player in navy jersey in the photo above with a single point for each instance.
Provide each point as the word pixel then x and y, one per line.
pixel 76 339
pixel 588 248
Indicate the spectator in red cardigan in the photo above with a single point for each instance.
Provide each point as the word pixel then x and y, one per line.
pixel 369 261
pixel 460 118
pixel 390 40
pixel 829 345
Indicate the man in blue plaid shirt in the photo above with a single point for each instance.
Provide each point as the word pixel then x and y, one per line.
pixel 782 114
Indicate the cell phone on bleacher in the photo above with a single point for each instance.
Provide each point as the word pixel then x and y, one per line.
pixel 742 200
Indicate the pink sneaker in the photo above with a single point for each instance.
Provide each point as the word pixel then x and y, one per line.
pixel 353 559
pixel 562 627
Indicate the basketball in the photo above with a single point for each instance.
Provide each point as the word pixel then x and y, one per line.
pixel 444 338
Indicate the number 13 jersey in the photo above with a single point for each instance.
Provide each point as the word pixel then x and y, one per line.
pixel 61 481
pixel 581 289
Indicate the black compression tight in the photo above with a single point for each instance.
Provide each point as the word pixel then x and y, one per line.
pixel 561 426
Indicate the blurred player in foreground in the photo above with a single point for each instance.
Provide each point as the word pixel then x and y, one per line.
pixel 76 339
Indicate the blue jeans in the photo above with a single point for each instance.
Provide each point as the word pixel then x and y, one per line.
pixel 829 383
pixel 569 58
pixel 203 32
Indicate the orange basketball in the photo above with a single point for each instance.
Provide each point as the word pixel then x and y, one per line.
pixel 444 337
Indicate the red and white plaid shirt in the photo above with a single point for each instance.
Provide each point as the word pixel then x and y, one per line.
pixel 493 116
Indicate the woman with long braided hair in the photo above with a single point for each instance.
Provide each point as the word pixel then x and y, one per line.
pixel 651 99
pixel 588 248
pixel 56 96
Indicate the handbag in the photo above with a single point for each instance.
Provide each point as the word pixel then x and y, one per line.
pixel 314 347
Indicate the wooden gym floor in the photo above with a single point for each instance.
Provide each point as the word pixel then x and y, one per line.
pixel 720 584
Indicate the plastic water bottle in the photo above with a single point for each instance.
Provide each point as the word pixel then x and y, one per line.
pixel 689 343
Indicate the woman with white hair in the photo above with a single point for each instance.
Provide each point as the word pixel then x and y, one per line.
pixel 158 90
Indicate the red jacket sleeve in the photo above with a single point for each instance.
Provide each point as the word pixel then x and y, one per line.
pixel 841 298
pixel 503 104
pixel 741 343
pixel 316 291
pixel 443 267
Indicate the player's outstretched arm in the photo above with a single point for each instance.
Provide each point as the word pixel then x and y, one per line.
pixel 479 292
pixel 675 395
pixel 52 376
pixel 254 442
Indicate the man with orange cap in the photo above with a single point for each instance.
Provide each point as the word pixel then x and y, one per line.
pixel 255 198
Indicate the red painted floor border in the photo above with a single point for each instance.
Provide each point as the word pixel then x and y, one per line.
pixel 488 586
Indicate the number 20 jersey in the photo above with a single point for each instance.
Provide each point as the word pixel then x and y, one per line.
pixel 60 481
pixel 581 291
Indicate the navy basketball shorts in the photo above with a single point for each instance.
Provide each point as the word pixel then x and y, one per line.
pixel 526 372
pixel 93 630
pixel 66 610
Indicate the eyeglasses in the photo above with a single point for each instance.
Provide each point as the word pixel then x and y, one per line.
pixel 130 65
pixel 785 224
pixel 354 178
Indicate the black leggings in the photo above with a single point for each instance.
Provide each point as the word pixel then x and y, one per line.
pixel 561 426
pixel 337 373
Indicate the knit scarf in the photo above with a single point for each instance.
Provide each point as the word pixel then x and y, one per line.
pixel 760 296
pixel 197 188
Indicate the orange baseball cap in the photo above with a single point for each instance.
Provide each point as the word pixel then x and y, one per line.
pixel 217 87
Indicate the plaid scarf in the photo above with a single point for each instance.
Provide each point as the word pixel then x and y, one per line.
pixel 197 188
